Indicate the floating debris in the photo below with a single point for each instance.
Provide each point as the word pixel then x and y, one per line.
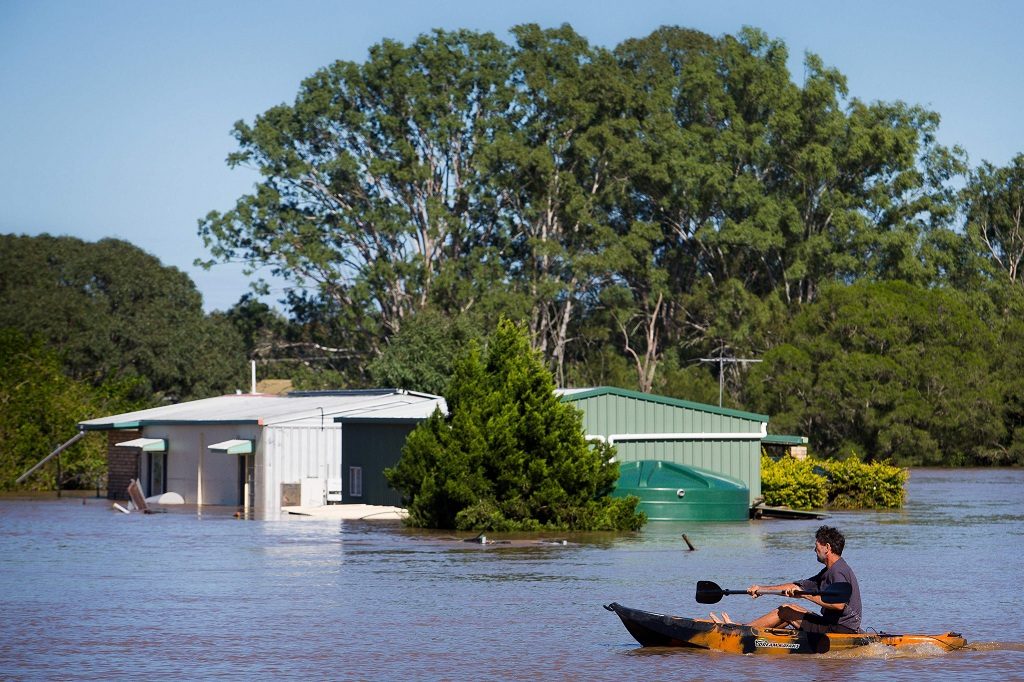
pixel 482 540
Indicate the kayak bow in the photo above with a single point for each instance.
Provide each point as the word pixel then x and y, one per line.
pixel 655 629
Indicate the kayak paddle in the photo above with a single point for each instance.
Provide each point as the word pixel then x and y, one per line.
pixel 836 593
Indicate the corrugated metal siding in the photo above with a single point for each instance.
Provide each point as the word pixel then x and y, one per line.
pixel 610 414
pixel 287 454
pixel 373 447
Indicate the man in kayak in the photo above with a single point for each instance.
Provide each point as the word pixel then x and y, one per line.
pixel 839 617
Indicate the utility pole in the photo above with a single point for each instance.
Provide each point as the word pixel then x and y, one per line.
pixel 721 369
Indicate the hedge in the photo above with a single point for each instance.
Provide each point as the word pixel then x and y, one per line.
pixel 833 484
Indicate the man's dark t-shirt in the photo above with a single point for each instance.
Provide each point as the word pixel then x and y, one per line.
pixel 840 572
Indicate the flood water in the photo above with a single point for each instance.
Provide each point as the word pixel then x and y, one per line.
pixel 87 592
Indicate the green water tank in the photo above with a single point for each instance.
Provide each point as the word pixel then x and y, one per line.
pixel 675 492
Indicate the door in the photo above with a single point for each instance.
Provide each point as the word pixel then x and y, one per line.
pixel 156 473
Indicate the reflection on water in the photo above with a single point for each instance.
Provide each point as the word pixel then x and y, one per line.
pixel 87 592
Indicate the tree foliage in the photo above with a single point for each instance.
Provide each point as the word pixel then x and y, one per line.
pixel 677 197
pixel 836 484
pixel 510 455
pixel 422 356
pixel 888 369
pixel 115 314
pixel 565 184
pixel 994 204
pixel 40 407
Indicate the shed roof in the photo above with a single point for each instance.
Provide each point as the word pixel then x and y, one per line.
pixel 571 394
pixel 778 439
pixel 294 409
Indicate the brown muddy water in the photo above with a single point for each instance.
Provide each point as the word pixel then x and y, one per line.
pixel 88 593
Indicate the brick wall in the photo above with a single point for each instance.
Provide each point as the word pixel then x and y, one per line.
pixel 122 464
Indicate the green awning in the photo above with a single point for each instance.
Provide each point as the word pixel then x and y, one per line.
pixel 235 446
pixel 145 444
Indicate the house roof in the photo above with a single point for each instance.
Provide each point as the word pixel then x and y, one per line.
pixel 295 409
pixel 572 394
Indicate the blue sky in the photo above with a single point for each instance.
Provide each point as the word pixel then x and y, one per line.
pixel 115 115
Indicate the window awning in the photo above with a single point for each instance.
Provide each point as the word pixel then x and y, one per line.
pixel 233 447
pixel 145 444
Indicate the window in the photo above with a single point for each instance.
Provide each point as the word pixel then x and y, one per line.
pixel 355 481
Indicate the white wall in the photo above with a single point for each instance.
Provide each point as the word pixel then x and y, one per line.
pixel 220 470
pixel 287 454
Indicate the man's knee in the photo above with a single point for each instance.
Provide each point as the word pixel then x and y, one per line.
pixel 791 613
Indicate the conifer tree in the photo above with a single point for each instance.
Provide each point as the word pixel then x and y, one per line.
pixel 509 455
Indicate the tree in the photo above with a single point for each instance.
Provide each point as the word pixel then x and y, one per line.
pixel 758 188
pixel 422 356
pixel 114 312
pixel 676 196
pixel 549 167
pixel 994 207
pixel 370 196
pixel 39 409
pixel 888 370
pixel 510 455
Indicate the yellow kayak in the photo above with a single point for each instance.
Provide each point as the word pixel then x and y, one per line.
pixel 655 629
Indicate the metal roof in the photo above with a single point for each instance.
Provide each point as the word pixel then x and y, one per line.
pixel 407 412
pixel 778 439
pixel 295 409
pixel 571 394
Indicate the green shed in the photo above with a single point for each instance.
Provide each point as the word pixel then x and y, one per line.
pixel 368 446
pixel 642 426
pixel 372 441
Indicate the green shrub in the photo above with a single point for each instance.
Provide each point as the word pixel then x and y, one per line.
pixel 854 484
pixel 836 484
pixel 792 483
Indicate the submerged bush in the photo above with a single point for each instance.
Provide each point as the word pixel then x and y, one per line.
pixel 836 484
pixel 854 484
pixel 792 483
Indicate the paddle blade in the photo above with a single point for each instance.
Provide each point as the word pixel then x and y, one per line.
pixel 836 593
pixel 708 592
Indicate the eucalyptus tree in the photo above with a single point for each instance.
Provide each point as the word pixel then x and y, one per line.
pixel 993 203
pixel 549 168
pixel 370 191
pixel 766 188
pixel 699 197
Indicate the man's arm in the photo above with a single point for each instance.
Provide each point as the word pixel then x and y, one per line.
pixel 787 588
pixel 790 590
pixel 823 604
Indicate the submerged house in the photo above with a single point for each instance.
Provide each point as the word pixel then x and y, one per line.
pixel 260 452
pixel 666 445
pixel 686 461
pixel 643 426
